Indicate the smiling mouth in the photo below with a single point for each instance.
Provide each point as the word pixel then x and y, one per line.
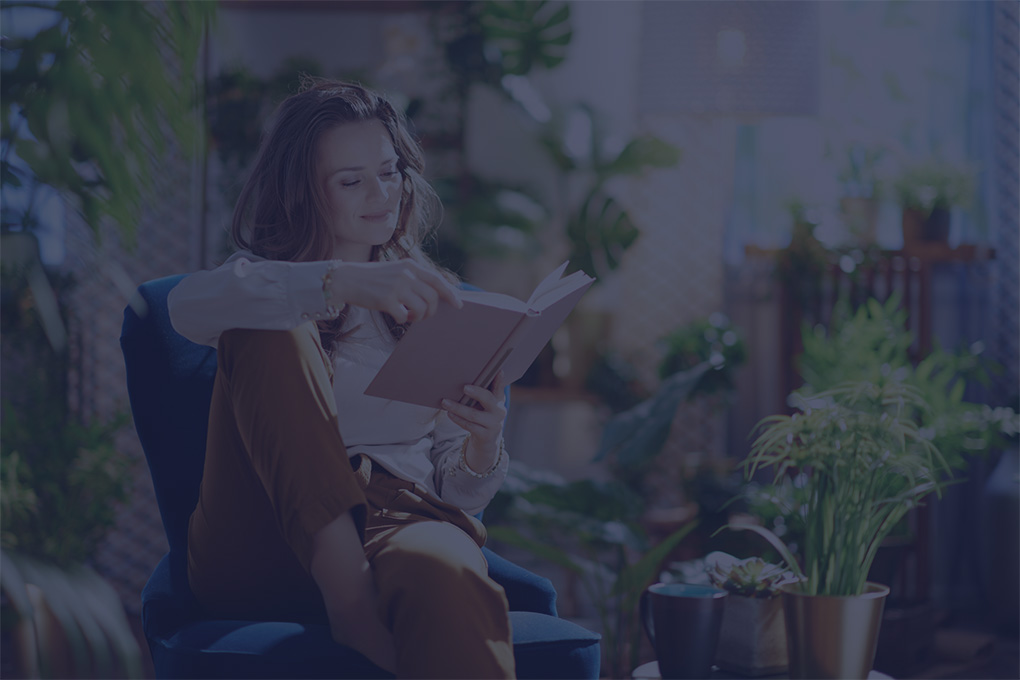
pixel 378 216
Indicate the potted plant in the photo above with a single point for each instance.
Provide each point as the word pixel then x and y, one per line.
pixel 752 641
pixel 863 462
pixel 862 190
pixel 801 265
pixel 871 343
pixel 927 192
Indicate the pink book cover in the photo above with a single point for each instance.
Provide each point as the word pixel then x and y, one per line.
pixel 457 347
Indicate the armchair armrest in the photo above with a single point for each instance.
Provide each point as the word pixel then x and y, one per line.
pixel 525 591
pixel 166 605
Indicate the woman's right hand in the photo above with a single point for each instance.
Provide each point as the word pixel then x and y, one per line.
pixel 404 289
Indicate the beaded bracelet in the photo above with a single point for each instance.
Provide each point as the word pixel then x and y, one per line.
pixel 463 464
pixel 332 310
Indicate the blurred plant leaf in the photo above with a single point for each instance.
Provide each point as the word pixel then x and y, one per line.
pixel 599 228
pixel 599 234
pixel 632 581
pixel 90 616
pixel 90 114
pixel 539 549
pixel 527 33
pixel 642 153
pixel 639 433
pixel 774 541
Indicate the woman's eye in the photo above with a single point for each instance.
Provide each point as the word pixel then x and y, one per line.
pixel 391 173
pixel 350 183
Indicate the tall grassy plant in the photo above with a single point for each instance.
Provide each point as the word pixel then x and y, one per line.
pixel 864 462
pixel 871 343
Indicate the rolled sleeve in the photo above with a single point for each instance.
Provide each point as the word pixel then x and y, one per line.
pixel 454 484
pixel 249 292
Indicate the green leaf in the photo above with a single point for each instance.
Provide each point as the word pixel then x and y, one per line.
pixel 643 153
pixel 43 578
pixel 119 96
pixel 546 552
pixel 106 608
pixel 638 433
pixel 774 541
pixel 634 578
pixel 523 36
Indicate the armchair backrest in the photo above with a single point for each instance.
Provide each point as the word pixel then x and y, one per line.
pixel 170 382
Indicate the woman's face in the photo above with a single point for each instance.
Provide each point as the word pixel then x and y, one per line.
pixel 357 166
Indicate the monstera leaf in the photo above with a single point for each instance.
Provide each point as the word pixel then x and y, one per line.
pixel 642 153
pixel 599 234
pixel 599 228
pixel 527 34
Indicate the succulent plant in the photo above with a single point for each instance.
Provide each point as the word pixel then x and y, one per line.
pixel 751 577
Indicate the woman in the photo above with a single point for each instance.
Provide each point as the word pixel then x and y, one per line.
pixel 374 529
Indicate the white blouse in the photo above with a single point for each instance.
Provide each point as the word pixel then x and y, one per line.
pixel 415 443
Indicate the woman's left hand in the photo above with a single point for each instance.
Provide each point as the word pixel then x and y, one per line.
pixel 483 422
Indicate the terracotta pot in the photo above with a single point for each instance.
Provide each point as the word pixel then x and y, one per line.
pixel 752 641
pixel 832 637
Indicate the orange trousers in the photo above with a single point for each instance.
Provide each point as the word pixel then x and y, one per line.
pixel 276 472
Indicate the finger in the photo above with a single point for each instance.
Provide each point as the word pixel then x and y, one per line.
pixel 398 311
pixel 499 385
pixel 462 410
pixel 443 288
pixel 431 298
pixel 465 424
pixel 486 398
pixel 479 434
pixel 417 308
pixel 451 295
pixel 479 418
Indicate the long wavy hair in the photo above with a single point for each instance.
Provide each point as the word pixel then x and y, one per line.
pixel 283 212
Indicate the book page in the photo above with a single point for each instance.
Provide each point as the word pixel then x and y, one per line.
pixel 498 300
pixel 563 288
pixel 548 283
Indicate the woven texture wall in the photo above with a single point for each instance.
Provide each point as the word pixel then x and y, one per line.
pixel 166 244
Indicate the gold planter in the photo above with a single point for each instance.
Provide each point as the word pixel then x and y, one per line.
pixel 832 637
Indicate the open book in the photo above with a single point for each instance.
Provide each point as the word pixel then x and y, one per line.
pixel 468 346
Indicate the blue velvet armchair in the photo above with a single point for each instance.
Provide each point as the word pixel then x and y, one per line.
pixel 170 384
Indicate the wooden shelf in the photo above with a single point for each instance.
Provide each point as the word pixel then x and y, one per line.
pixel 531 395
pixel 928 252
